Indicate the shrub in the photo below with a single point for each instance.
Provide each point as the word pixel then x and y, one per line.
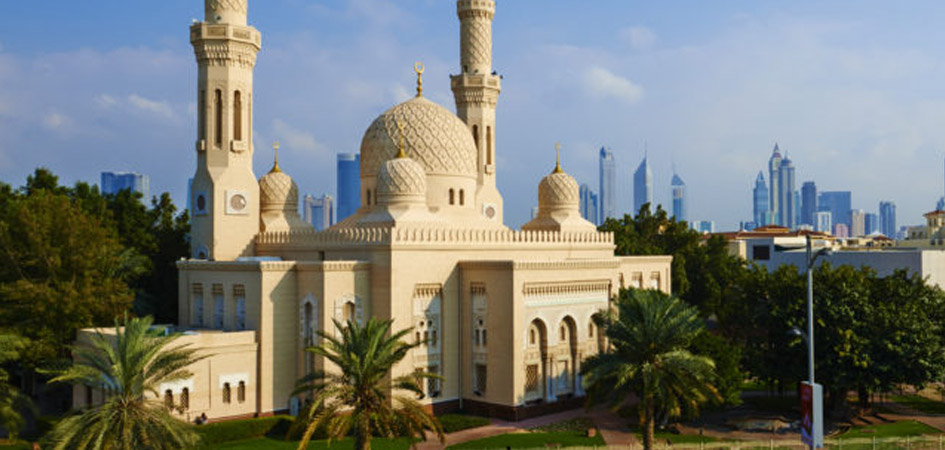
pixel 457 422
pixel 238 430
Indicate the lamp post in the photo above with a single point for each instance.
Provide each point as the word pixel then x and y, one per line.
pixel 811 259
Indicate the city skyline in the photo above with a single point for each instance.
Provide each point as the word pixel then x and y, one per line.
pixel 80 98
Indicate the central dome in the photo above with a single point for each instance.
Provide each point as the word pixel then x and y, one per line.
pixel 435 138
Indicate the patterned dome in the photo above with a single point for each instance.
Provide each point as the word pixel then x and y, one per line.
pixel 277 191
pixel 401 180
pixel 558 191
pixel 435 138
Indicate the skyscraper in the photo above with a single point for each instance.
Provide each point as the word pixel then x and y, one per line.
pixel 870 224
pixel 838 203
pixel 608 185
pixel 858 223
pixel 679 197
pixel 887 219
pixel 115 182
pixel 808 202
pixel 642 186
pixel 786 193
pixel 349 184
pixel 589 210
pixel 319 211
pixel 774 181
pixel 822 221
pixel 760 200
pixel 841 230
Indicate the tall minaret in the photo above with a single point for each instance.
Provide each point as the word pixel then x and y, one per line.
pixel 225 190
pixel 476 90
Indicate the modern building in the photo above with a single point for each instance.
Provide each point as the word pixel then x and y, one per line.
pixel 858 225
pixel 887 219
pixel 760 201
pixel 679 197
pixel 808 202
pixel 774 183
pixel 839 204
pixel 870 224
pixel 642 186
pixel 786 204
pixel 841 230
pixel 608 184
pixel 115 182
pixel 318 211
pixel 421 251
pixel 703 226
pixel 589 208
pixel 349 185
pixel 823 222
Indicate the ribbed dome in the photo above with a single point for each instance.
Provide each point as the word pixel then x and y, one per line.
pixel 277 191
pixel 401 180
pixel 558 190
pixel 435 138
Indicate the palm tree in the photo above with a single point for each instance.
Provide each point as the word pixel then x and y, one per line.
pixel 129 367
pixel 353 398
pixel 12 401
pixel 647 357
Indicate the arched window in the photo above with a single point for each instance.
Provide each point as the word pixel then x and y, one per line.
pixel 562 334
pixel 590 330
pixel 218 117
pixel 531 337
pixel 452 197
pixel 488 145
pixel 475 133
pixel 369 197
pixel 226 393
pixel 202 115
pixel 241 392
pixel 349 312
pixel 462 197
pixel 237 116
pixel 185 399
pixel 169 399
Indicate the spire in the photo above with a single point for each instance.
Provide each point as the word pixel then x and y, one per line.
pixel 557 158
pixel 418 67
pixel 400 130
pixel 275 163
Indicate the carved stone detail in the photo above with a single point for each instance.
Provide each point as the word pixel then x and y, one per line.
pixel 558 189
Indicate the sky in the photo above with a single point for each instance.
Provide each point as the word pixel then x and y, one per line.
pixel 852 91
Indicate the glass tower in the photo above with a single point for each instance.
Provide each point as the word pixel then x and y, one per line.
pixel 349 184
pixel 608 185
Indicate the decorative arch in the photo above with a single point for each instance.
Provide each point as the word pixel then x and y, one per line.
pixel 349 303
pixel 566 361
pixel 536 359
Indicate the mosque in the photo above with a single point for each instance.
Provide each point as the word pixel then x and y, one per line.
pixel 504 315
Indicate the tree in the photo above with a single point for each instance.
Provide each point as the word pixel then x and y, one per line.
pixel 129 367
pixel 649 334
pixel 12 402
pixel 353 398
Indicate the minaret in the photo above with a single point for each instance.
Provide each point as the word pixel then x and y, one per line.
pixel 476 90
pixel 225 190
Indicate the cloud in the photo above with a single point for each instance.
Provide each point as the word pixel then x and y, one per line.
pixel 638 37
pixel 603 83
pixel 155 107
pixel 54 120
pixel 295 140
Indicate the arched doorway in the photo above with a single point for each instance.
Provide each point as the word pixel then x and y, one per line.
pixel 536 359
pixel 565 373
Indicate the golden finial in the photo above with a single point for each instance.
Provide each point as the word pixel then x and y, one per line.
pixel 558 158
pixel 418 67
pixel 400 129
pixel 275 164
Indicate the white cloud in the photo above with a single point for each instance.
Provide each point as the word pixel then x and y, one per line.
pixel 603 83
pixel 53 120
pixel 293 139
pixel 638 37
pixel 156 107
pixel 399 93
pixel 106 101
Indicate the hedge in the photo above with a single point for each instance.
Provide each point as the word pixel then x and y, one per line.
pixel 457 422
pixel 238 430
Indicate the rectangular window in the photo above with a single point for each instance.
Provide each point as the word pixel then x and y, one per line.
pixel 655 280
pixel 481 379
pixel 531 378
pixel 218 119
pixel 218 306
pixel 240 293
pixel 761 252
pixel 433 384
pixel 197 299
pixel 202 116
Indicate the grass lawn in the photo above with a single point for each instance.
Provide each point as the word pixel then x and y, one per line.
pixel 897 429
pixel 920 403
pixel 344 444
pixel 534 440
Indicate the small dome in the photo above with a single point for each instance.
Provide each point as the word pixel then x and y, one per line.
pixel 558 190
pixel 401 180
pixel 435 139
pixel 277 191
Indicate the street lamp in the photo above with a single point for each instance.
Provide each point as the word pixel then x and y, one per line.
pixel 814 399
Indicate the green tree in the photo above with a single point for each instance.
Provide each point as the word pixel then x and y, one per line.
pixel 128 366
pixel 352 397
pixel 649 334
pixel 12 402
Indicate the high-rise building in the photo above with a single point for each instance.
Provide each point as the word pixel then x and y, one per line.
pixel 786 192
pixel 760 200
pixel 841 230
pixel 808 202
pixel 679 197
pixel 115 182
pixel 797 207
pixel 589 203
pixel 349 184
pixel 319 211
pixel 774 182
pixel 858 223
pixel 642 186
pixel 838 203
pixel 822 221
pixel 608 186
pixel 870 224
pixel 887 219
pixel 703 226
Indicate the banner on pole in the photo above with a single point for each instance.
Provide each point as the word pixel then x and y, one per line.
pixel 812 414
